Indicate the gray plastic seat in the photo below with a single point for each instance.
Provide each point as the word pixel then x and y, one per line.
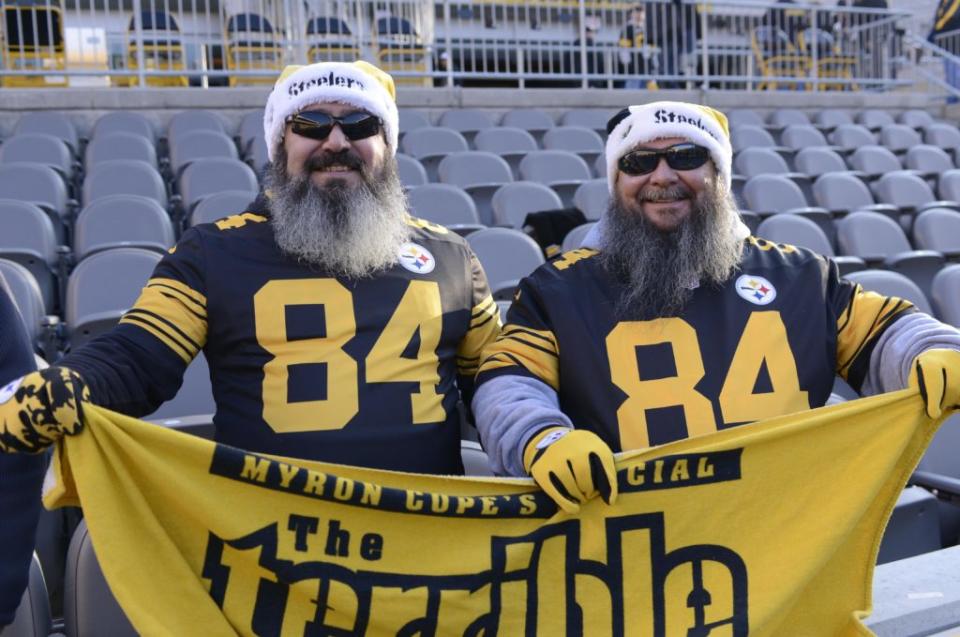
pixel 122 221
pixel 89 606
pixel 744 137
pixel 561 170
pixel 210 175
pixel 592 198
pixel 447 205
pixel 575 139
pixel 251 128
pixel 411 120
pixel 39 148
pixel 510 143
pixel 40 185
pixel 220 205
pixel 199 144
pixel 32 618
pixel 512 203
pixel 27 236
pixel 127 122
pixel 874 161
pixel 874 118
pixel 899 137
pixel 880 241
pixel 945 294
pixel 256 156
pixel 104 286
pixel 798 136
pixel 945 136
pixel 844 192
pixel 928 160
pixel 892 284
pixel 744 117
pixel 916 118
pixel 830 118
pixel 787 117
pixel 948 186
pixel 594 119
pixel 908 192
pixel 532 120
pixel 575 237
pixel 507 255
pixel 751 162
pixel 775 194
pixel 475 461
pixel 195 396
pixel 852 136
pixel 119 145
pixel 190 121
pixel 49 123
pixel 412 173
pixel 815 162
pixel 27 295
pixel 939 470
pixel 938 229
pixel 795 230
pixel 466 121
pixel 123 177
pixel 430 145
pixel 480 174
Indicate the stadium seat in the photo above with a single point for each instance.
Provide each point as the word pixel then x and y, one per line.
pixel 32 618
pixel 908 192
pixel 447 205
pixel 939 471
pixel 744 117
pixel 466 121
pixel 576 236
pixel 744 137
pixel 575 139
pixel 916 118
pixel 104 286
pixel 39 148
pixel 851 136
pixel 108 146
pixel 800 231
pixel 251 128
pixel 512 203
pixel 256 156
pixel 600 168
pixel 899 138
pixel 480 174
pixel 412 173
pixel 945 294
pixel 199 144
pixel 195 396
pixel 532 120
pixel 880 241
pixel 595 120
pixel 938 229
pixel 27 236
pixel 49 123
pixel 41 186
pixel 592 198
pixel 874 161
pixel 751 220
pixel 892 284
pixel 510 143
pixel 874 119
pixel 430 145
pixel 189 121
pixel 409 120
pixel 561 170
pixel 507 255
pixel 211 175
pixel 815 162
pixel 945 136
pixel 783 118
pixel 830 118
pixel 26 294
pixel 751 162
pixel 89 606
pixel 799 136
pixel 475 461
pixel 776 194
pixel 841 193
pixel 122 221
pixel 929 161
pixel 221 204
pixel 125 122
pixel 948 187
pixel 123 177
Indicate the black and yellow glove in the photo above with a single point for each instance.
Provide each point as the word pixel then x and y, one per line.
pixel 39 408
pixel 936 372
pixel 571 466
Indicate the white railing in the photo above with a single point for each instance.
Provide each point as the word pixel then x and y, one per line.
pixel 730 44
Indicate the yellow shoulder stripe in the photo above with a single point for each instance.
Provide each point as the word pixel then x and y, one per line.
pixel 238 221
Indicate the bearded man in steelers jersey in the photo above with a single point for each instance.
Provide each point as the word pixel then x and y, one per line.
pixel 336 327
pixel 672 322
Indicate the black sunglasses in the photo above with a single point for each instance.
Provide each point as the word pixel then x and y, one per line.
pixel 679 157
pixel 317 125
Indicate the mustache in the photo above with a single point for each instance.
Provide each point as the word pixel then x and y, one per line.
pixel 657 195
pixel 345 157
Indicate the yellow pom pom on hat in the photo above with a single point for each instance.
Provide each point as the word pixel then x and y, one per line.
pixel 359 84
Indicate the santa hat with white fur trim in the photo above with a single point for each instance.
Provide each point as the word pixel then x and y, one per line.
pixel 357 83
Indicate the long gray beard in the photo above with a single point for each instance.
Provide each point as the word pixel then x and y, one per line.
pixel 660 270
pixel 350 231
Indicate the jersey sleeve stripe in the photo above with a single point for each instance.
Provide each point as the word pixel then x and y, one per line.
pixel 516 338
pixel 866 317
pixel 483 329
pixel 173 297
pixel 162 336
pixel 197 300
pixel 483 308
pixel 549 338
pixel 176 331
pixel 544 368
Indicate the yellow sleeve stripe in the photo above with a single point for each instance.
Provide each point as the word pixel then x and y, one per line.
pixel 481 334
pixel 545 336
pixel 164 337
pixel 865 317
pixel 483 312
pixel 165 313
pixel 544 367
pixel 190 296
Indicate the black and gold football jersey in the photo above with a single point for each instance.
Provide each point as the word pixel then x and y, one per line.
pixel 365 372
pixel 768 342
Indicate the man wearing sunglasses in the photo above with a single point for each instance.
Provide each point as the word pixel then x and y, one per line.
pixel 336 326
pixel 672 322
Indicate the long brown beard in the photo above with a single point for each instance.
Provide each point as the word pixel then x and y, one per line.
pixel 659 270
pixel 352 231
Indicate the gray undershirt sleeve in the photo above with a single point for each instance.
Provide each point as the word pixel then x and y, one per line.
pixel 509 410
pixel 899 345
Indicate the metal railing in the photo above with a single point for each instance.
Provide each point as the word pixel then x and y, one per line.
pixel 729 44
pixel 942 51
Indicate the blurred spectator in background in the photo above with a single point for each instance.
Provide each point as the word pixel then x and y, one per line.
pixel 594 55
pixel 673 27
pixel 634 52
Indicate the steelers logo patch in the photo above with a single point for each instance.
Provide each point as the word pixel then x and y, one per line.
pixel 756 289
pixel 416 258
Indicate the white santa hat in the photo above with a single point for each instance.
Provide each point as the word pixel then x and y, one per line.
pixel 357 83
